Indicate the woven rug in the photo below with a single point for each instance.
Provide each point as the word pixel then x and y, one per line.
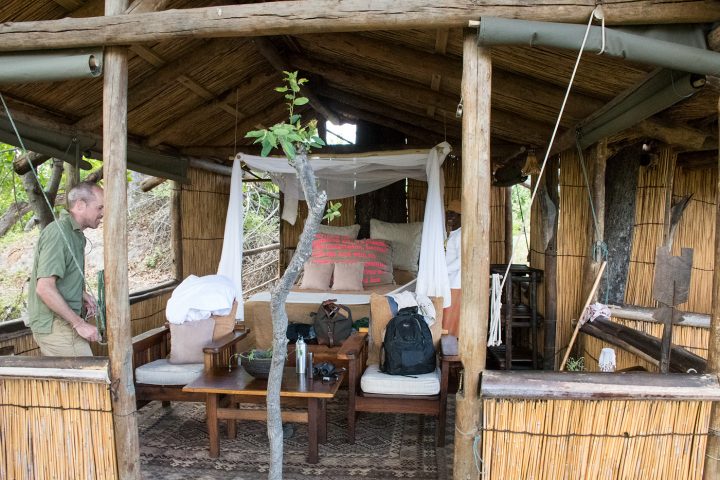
pixel 174 445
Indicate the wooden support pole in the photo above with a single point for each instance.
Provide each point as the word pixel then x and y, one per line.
pixel 550 276
pixel 508 225
pixel 176 229
pixel 476 88
pixel 712 456
pixel 596 231
pixel 120 350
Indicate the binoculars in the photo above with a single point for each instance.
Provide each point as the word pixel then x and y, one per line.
pixel 325 369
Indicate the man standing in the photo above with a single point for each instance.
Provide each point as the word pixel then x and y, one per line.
pixel 57 293
pixel 451 315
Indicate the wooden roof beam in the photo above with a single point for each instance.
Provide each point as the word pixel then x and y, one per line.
pixel 260 120
pixel 169 73
pixel 511 92
pixel 187 123
pixel 272 55
pixel 452 127
pixel 314 16
pixel 441 40
pixel 408 129
pixel 508 126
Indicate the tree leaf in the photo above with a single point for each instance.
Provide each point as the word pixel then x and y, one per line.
pixel 281 130
pixel 288 148
pixel 300 101
pixel 266 149
pixel 294 119
pixel 255 134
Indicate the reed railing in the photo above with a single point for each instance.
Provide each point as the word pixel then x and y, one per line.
pixel 595 426
pixel 56 419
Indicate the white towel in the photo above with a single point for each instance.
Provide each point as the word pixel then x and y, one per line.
pixel 197 298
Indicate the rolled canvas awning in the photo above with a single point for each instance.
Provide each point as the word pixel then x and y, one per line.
pixel 48 66
pixel 680 48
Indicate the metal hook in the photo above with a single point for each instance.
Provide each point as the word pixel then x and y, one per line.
pixel 599 14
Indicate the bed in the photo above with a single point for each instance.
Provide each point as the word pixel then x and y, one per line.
pixel 301 303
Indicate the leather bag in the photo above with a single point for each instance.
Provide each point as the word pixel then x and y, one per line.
pixel 333 323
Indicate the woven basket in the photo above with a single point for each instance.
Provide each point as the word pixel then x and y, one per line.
pixel 257 367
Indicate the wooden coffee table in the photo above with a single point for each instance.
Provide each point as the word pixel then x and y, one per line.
pixel 221 381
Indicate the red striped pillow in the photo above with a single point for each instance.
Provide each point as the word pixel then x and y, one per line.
pixel 376 255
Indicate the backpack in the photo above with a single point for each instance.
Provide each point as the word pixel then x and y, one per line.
pixel 408 345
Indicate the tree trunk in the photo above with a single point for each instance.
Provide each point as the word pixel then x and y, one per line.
pixel 11 216
pixel 278 295
pixel 43 211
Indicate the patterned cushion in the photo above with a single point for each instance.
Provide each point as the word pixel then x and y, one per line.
pixel 375 381
pixel 162 372
pixel 376 255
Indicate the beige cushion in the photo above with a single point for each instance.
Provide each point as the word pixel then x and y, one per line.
pixel 224 324
pixel 348 231
pixel 162 372
pixel 188 340
pixel 405 239
pixel 380 315
pixel 348 276
pixel 317 275
pixel 375 381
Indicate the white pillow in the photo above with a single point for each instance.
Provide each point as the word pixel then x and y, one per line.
pixel 405 239
pixel 349 231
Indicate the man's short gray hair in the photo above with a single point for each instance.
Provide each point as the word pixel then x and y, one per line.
pixel 84 191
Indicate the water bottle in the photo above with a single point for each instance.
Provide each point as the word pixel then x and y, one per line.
pixel 300 353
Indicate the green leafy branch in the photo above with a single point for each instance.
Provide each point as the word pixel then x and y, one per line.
pixel 291 134
pixel 333 211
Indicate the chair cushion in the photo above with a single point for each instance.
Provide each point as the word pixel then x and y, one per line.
pixel 162 372
pixel 188 340
pixel 375 381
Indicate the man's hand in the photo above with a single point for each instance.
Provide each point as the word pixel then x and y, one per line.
pixel 87 331
pixel 90 304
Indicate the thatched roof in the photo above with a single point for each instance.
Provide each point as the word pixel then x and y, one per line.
pixel 198 97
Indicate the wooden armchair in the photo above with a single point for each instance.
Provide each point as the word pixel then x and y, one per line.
pixel 154 346
pixel 354 351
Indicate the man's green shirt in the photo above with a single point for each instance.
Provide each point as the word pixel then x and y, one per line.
pixel 59 242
